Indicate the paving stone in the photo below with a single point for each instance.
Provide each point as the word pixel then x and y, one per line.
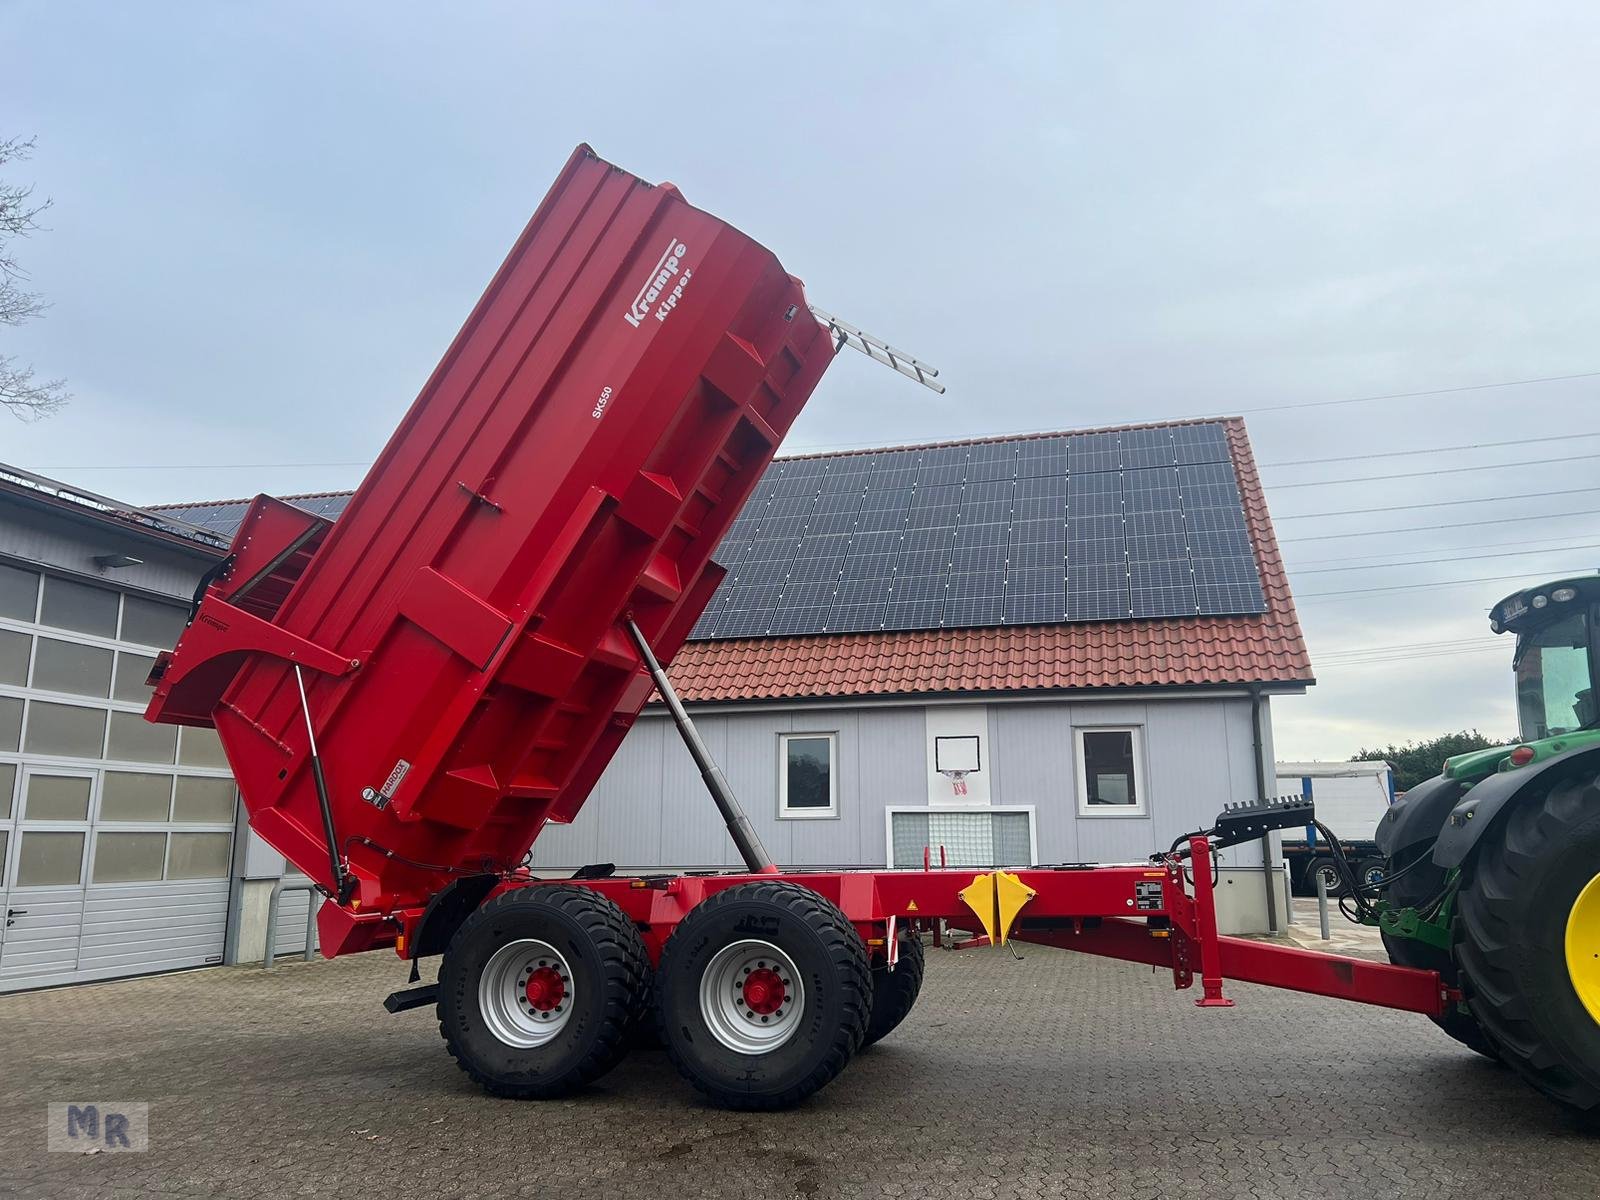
pixel 1057 1076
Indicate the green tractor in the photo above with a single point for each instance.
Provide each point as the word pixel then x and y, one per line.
pixel 1493 867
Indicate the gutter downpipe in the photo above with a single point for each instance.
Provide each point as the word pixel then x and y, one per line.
pixel 1267 873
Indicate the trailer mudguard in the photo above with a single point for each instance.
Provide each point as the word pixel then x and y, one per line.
pixel 1484 804
pixel 1416 818
pixel 450 906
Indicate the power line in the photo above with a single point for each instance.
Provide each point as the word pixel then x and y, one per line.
pixel 1386 508
pixel 1266 408
pixel 1442 583
pixel 1531 462
pixel 1240 412
pixel 1449 391
pixel 1422 562
pixel 1403 658
pixel 1477 640
pixel 1411 656
pixel 1402 650
pixel 1558 437
pixel 1328 537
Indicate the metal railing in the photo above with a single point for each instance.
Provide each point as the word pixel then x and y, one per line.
pixel 313 903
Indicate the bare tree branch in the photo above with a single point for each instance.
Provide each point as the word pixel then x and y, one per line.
pixel 19 394
pixel 27 400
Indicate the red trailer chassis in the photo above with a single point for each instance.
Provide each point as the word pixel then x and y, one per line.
pixel 409 696
pixel 1140 913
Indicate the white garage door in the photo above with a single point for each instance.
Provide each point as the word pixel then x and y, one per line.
pixel 116 835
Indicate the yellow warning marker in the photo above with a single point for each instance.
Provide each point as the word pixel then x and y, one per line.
pixel 995 899
pixel 911 906
pixel 1010 894
pixel 979 897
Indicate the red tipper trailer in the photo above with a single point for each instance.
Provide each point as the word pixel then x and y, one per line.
pixel 578 454
pixel 407 696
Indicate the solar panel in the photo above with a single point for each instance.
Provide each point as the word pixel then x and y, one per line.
pixel 1076 527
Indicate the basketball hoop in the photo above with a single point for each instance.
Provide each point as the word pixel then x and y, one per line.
pixel 955 756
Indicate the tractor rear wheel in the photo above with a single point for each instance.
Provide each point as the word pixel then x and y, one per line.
pixel 894 992
pixel 1528 942
pixel 762 995
pixel 539 989
pixel 1411 889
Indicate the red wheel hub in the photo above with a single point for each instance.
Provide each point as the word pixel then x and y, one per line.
pixel 763 991
pixel 546 989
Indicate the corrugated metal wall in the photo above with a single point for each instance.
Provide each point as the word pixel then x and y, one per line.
pixel 40 539
pixel 650 809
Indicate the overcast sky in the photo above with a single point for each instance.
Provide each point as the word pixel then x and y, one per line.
pixel 270 220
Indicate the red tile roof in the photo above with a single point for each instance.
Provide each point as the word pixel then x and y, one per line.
pixel 1171 652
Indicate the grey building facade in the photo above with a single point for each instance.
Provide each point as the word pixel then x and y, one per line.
pixel 894 674
pixel 1195 753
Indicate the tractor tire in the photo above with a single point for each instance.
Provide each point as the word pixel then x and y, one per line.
pixel 540 989
pixel 1416 887
pixel 1527 938
pixel 894 992
pixel 762 995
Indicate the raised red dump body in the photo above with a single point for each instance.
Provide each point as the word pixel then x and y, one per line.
pixel 574 460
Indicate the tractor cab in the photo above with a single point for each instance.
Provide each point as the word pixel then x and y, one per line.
pixel 1557 660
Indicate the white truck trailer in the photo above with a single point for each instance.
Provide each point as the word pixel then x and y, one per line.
pixel 1351 798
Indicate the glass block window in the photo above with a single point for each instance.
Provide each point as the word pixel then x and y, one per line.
pixel 975 837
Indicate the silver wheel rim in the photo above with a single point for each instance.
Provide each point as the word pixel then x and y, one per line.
pixel 744 1018
pixel 503 993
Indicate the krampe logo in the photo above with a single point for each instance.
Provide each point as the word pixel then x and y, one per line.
pixel 661 279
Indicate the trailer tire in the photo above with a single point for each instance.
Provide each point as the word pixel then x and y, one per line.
pixel 762 995
pixel 1329 871
pixel 1535 877
pixel 894 992
pixel 592 957
pixel 1370 871
pixel 1416 887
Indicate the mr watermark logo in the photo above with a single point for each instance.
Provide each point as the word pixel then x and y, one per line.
pixel 96 1128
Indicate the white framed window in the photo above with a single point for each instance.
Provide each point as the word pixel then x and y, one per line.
pixel 1110 774
pixel 808 777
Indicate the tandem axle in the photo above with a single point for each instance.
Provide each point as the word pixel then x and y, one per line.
pixel 763 984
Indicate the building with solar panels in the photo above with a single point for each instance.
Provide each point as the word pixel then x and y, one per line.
pixel 1010 651
pixel 1039 649
pixel 1007 651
